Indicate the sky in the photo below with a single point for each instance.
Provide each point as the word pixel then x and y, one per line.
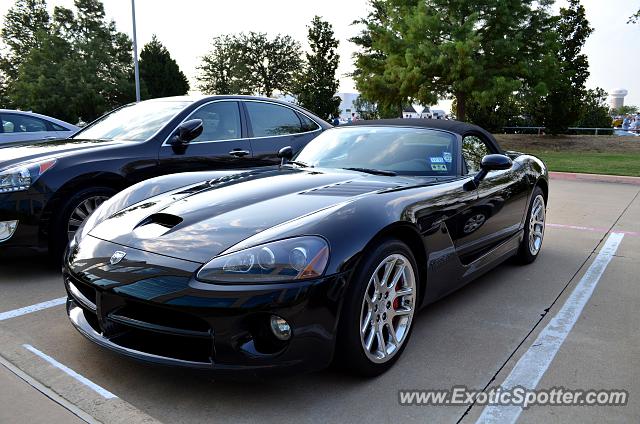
pixel 187 27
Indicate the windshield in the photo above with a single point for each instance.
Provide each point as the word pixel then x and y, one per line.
pixel 407 151
pixel 134 122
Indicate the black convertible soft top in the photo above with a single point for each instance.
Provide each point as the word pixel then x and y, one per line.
pixel 456 127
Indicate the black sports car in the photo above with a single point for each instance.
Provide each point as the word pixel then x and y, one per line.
pixel 328 255
pixel 48 188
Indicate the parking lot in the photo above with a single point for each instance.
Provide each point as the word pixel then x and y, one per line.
pixel 474 338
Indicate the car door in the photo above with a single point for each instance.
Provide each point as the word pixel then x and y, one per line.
pixel 497 213
pixel 222 144
pixel 273 126
pixel 19 127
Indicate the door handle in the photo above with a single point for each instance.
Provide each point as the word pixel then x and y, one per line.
pixel 239 153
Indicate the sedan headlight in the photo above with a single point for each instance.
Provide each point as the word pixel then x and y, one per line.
pixel 297 258
pixel 20 177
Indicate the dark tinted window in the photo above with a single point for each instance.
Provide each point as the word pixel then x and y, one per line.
pixel 473 150
pixel 307 124
pixel 268 119
pixel 14 123
pixel 221 121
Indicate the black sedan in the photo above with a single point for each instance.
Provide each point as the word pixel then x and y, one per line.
pixel 48 189
pixel 327 256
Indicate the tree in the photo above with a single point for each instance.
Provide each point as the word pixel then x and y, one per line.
pixel 595 113
pixel 423 50
pixel 563 105
pixel 625 110
pixel 160 73
pixel 318 84
pixel 251 64
pixel 269 65
pixel 79 65
pixel 25 25
pixel 219 73
pixel 365 108
pixel 635 18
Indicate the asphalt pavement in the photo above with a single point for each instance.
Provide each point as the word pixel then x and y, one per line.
pixel 478 337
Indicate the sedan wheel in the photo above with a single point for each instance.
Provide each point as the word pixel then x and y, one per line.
pixel 387 308
pixel 82 212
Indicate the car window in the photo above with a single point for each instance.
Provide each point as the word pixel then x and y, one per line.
pixel 134 122
pixel 14 123
pixel 268 119
pixel 57 127
pixel 307 124
pixel 473 150
pixel 406 151
pixel 221 121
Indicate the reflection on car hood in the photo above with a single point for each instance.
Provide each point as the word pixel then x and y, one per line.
pixel 15 154
pixel 200 224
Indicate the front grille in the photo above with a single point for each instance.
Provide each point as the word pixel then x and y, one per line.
pixel 162 319
pixel 191 349
pixel 86 290
pixel 145 328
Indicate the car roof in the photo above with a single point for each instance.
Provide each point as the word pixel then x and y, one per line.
pixel 456 127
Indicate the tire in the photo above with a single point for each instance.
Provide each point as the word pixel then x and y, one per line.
pixel 81 203
pixel 532 244
pixel 353 354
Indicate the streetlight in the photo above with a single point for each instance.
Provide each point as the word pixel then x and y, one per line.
pixel 135 50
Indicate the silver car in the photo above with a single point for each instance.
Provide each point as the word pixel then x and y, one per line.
pixel 17 126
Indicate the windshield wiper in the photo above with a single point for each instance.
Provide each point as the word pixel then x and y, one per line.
pixel 373 171
pixel 302 164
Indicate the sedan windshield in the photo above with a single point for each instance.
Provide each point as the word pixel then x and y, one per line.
pixel 134 122
pixel 404 151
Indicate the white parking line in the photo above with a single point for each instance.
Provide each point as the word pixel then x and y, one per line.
pixel 33 308
pixel 93 386
pixel 529 370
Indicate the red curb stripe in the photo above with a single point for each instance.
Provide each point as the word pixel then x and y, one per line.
pixel 571 176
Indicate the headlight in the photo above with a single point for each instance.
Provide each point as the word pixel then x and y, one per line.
pixel 20 178
pixel 297 258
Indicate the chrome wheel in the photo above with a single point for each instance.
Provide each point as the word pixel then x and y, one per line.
pixel 536 225
pixel 387 308
pixel 82 212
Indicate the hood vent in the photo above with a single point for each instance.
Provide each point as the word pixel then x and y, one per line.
pixel 349 189
pixel 156 225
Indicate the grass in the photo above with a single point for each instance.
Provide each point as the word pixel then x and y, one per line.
pixel 585 154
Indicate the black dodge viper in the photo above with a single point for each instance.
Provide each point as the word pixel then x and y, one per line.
pixel 326 256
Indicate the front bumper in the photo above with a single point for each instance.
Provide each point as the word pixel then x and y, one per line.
pixel 149 307
pixel 27 208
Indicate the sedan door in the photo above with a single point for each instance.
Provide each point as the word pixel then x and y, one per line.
pixel 274 126
pixel 222 144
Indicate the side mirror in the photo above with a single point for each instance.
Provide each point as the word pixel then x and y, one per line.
pixel 490 163
pixel 285 154
pixel 187 131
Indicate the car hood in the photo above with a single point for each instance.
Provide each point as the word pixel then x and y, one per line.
pixel 200 223
pixel 15 154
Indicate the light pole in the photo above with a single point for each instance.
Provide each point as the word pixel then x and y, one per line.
pixel 135 50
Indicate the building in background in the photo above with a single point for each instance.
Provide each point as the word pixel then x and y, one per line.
pixel 346 104
pixel 616 99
